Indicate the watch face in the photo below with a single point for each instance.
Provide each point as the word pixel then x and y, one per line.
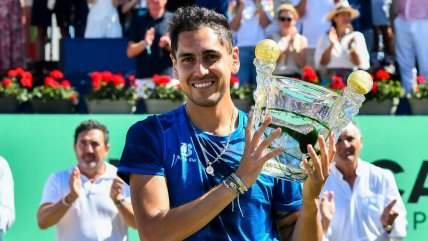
pixel 388 228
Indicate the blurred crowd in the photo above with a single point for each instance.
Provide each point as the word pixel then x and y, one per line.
pixel 333 36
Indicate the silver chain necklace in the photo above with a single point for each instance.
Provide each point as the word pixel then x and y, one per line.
pixel 210 169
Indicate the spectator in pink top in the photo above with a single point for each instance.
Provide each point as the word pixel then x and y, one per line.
pixel 411 31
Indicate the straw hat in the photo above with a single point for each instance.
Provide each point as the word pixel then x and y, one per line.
pixel 341 7
pixel 289 8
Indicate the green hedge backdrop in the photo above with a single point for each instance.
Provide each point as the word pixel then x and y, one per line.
pixel 37 145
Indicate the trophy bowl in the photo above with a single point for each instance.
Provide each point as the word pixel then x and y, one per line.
pixel 302 110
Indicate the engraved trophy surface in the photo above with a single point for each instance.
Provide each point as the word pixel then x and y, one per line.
pixel 302 110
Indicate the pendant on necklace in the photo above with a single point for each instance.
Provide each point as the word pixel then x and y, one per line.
pixel 210 170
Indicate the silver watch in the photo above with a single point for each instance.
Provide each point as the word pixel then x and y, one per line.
pixel 388 228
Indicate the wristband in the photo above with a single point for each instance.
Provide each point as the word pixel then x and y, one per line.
pixel 65 202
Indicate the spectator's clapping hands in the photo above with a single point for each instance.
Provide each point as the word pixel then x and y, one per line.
pixel 150 36
pixel 116 189
pixel 388 216
pixel 327 209
pixel 332 35
pixel 75 183
pixel 165 42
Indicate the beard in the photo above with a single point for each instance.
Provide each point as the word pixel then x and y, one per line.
pixel 89 162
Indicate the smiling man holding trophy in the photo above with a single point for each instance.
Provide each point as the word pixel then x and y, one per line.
pixel 194 172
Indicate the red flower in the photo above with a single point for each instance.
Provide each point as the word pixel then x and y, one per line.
pixel 56 74
pixel 178 86
pixel 51 82
pixel 309 75
pixel 106 76
pixel 131 77
pixel 161 79
pixel 6 82
pixel 382 74
pixel 12 73
pixel 74 97
pixel 96 83
pixel 337 83
pixel 374 88
pixel 96 76
pixel 27 82
pixel 27 74
pixel 420 79
pixel 234 80
pixel 66 84
pixel 19 70
pixel 118 80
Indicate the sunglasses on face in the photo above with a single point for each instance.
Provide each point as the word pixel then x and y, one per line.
pixel 285 19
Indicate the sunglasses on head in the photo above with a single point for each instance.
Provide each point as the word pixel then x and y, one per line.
pixel 285 19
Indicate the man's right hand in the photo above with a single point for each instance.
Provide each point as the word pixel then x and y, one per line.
pixel 255 155
pixel 75 184
pixel 150 36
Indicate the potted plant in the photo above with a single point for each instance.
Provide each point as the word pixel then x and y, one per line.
pixel 242 96
pixel 112 93
pixel 384 96
pixel 419 97
pixel 14 88
pixel 56 95
pixel 163 95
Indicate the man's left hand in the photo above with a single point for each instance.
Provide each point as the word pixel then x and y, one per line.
pixel 317 175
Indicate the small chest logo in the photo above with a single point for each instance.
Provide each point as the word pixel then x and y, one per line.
pixel 185 151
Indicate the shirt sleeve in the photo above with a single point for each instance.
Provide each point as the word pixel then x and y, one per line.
pixel 288 196
pixel 7 205
pixel 142 151
pixel 362 51
pixel 134 29
pixel 52 192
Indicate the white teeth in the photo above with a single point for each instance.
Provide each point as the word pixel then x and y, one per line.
pixel 202 85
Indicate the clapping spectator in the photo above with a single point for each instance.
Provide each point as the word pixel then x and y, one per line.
pixel 292 45
pixel 248 21
pixel 341 50
pixel 149 41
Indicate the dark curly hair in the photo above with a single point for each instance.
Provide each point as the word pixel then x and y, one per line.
pixel 91 125
pixel 193 18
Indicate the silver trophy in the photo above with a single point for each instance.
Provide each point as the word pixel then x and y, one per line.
pixel 302 110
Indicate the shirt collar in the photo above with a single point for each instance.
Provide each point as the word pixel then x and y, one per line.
pixel 359 171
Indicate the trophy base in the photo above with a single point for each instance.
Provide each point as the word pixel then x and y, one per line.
pixel 280 170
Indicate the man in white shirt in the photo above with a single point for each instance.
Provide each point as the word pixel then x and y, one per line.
pixel 7 206
pixel 87 202
pixel 359 200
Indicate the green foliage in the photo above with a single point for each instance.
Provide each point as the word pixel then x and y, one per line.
pixel 242 92
pixel 164 92
pixel 385 89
